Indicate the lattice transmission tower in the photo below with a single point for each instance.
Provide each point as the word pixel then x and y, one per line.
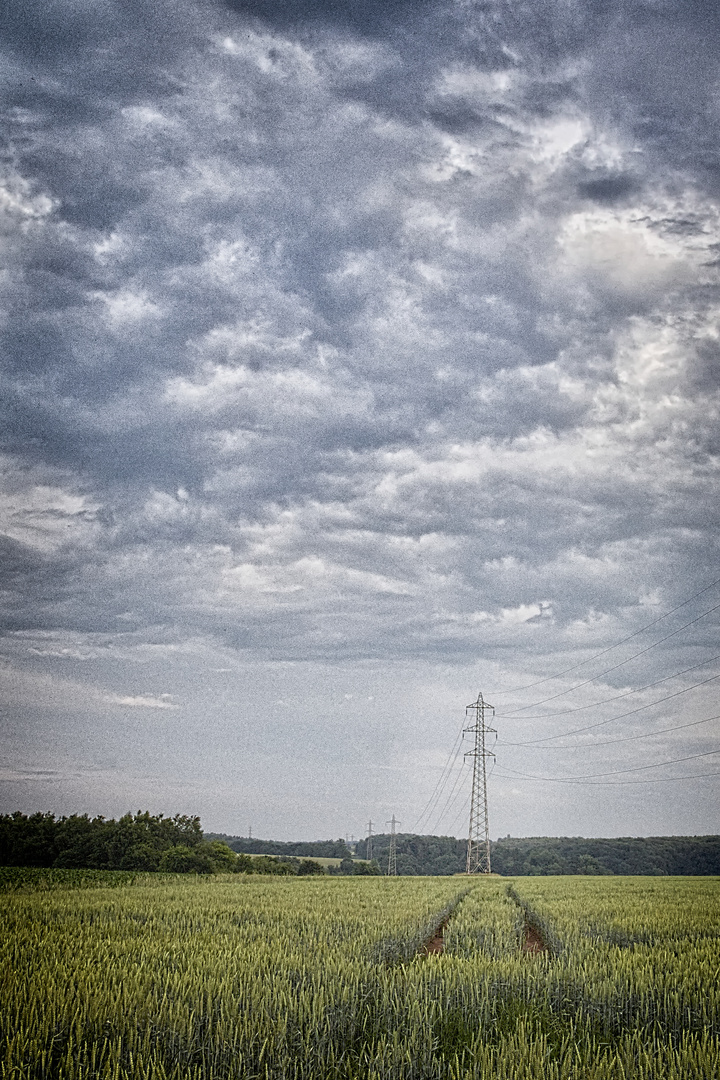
pixel 368 845
pixel 478 849
pixel 392 857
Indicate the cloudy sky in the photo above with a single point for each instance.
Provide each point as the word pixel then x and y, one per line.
pixel 359 357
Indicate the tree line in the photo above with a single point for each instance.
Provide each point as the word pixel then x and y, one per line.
pixel 141 841
pixel 313 849
pixel 531 856
pixel 147 842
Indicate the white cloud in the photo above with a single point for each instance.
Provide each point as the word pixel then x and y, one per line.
pixel 45 516
pixel 141 701
pixel 128 307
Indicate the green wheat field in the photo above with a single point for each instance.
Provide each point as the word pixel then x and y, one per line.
pixel 151 976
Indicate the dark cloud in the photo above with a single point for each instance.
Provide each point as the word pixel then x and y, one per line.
pixel 608 189
pixel 371 17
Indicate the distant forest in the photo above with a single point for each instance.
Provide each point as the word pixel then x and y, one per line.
pixel 544 855
pixel 177 845
pixel 541 855
pixel 312 849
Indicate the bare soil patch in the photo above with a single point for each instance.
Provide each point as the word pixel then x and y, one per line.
pixel 533 942
pixel 435 944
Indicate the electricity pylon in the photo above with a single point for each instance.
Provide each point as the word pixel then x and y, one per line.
pixel 368 845
pixel 392 857
pixel 478 849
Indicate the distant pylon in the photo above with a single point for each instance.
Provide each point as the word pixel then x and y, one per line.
pixel 392 857
pixel 368 845
pixel 478 849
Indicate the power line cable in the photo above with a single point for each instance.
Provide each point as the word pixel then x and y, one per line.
pixel 624 783
pixel 621 716
pixel 573 667
pixel 450 797
pixel 612 742
pixel 615 772
pixel 522 708
pixel 616 697
pixel 442 779
pixel 463 810
pixel 452 806
pixel 454 791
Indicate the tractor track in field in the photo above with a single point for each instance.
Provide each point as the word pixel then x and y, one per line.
pixel 533 943
pixel 435 944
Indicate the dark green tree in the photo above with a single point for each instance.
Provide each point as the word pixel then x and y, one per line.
pixel 310 866
pixel 182 859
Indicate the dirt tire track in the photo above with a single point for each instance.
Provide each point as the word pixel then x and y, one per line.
pixel 533 943
pixel 435 944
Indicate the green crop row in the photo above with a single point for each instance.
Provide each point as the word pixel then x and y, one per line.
pixel 318 978
pixel 31 879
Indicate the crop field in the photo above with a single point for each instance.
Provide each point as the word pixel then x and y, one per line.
pixel 316 978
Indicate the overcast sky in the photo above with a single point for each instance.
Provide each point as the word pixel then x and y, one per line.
pixel 359 357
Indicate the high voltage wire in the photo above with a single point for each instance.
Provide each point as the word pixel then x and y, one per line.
pixel 431 809
pixel 463 805
pixel 463 810
pixel 612 742
pixel 452 797
pixel 620 783
pixel 442 779
pixel 457 747
pixel 580 663
pixel 606 701
pixel 614 772
pixel 553 697
pixel 453 792
pixel 620 716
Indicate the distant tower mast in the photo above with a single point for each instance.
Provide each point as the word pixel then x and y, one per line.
pixel 368 846
pixel 478 849
pixel 392 857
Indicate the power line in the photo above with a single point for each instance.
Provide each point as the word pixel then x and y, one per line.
pixel 627 783
pixel 573 667
pixel 615 697
pixel 577 686
pixel 449 799
pixel 451 804
pixel 442 779
pixel 461 812
pixel 612 742
pixel 621 716
pixel 462 799
pixel 613 772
